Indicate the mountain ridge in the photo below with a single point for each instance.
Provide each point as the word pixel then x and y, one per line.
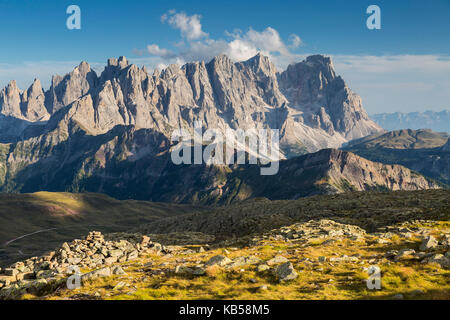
pixel 221 93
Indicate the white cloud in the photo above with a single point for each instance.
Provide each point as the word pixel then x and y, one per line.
pixel 155 50
pixel 295 41
pixel 196 45
pixel 190 26
pixel 267 40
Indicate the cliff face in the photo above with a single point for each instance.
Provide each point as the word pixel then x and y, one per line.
pixel 361 174
pixel 324 99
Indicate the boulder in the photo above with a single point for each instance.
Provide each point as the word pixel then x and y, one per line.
pixel 277 260
pixel 244 261
pixel 218 260
pixel 428 243
pixel 286 272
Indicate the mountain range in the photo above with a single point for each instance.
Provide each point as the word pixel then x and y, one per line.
pixel 311 106
pixel 111 132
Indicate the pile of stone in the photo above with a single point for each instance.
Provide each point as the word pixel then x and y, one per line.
pixel 93 252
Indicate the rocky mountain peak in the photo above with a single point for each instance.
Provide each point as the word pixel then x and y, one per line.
pixel 74 85
pixel 10 99
pixel 33 103
pixel 261 63
pixel 36 85
pixel 123 62
pixel 221 61
pixel 83 68
pixel 171 71
pixel 11 87
pixel 112 62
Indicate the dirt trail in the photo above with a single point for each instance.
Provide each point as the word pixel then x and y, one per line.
pixel 27 235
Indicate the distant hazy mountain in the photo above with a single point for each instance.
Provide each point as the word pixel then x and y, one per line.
pixel 436 121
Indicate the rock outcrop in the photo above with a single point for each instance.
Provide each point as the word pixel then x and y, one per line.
pixel 27 105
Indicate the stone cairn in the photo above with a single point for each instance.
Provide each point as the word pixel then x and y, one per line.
pixel 94 252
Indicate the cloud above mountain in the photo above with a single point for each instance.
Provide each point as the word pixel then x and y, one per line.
pixel 197 45
pixel 190 26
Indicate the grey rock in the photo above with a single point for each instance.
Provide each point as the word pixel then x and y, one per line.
pixel 100 273
pixel 428 243
pixel 440 259
pixel 262 268
pixel 120 285
pixel 110 260
pixel 118 271
pixel 218 260
pixel 133 255
pixel 244 261
pixel 115 253
pixel 277 260
pixel 11 272
pixel 286 272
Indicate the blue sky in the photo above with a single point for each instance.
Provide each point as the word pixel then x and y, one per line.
pixel 402 67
